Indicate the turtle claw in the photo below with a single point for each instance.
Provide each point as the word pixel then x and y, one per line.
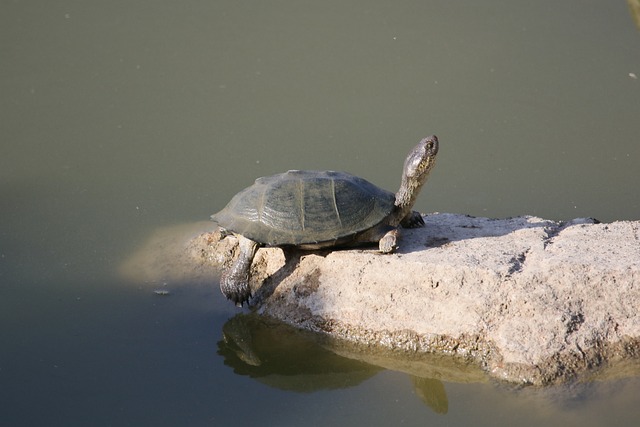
pixel 240 303
pixel 244 299
pixel 238 296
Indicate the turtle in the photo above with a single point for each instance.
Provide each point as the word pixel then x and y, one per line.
pixel 310 210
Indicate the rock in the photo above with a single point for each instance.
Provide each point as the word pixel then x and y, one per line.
pixel 532 301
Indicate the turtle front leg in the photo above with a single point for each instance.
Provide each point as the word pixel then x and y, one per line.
pixel 234 282
pixel 412 220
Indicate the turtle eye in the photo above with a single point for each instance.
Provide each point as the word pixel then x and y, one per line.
pixel 431 146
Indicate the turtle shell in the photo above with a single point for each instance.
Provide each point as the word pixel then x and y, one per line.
pixel 305 207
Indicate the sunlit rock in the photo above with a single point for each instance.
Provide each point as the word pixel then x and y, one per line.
pixel 530 300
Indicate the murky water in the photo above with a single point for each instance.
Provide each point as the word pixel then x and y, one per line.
pixel 121 117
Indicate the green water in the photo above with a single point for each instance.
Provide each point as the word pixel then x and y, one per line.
pixel 118 118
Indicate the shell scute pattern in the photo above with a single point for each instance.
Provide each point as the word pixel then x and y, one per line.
pixel 301 207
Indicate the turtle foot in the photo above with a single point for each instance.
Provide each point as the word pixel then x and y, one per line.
pixel 388 243
pixel 412 220
pixel 235 289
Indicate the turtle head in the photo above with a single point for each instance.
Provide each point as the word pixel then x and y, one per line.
pixel 417 167
pixel 421 159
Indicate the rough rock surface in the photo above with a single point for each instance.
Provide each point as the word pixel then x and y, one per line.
pixel 531 300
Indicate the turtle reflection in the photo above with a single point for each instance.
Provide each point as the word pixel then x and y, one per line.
pixel 291 359
pixel 279 355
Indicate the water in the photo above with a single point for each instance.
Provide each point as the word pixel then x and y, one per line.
pixel 122 117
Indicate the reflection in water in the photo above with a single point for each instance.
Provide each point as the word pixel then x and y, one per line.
pixel 281 356
pixel 286 358
pixel 432 392
pixel 237 338
pixel 634 10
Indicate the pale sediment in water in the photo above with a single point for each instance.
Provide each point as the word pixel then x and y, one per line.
pixel 529 300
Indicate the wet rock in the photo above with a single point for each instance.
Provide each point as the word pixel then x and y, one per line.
pixel 532 301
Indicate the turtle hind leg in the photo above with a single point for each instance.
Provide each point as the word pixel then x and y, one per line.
pixel 386 236
pixel 389 242
pixel 234 282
